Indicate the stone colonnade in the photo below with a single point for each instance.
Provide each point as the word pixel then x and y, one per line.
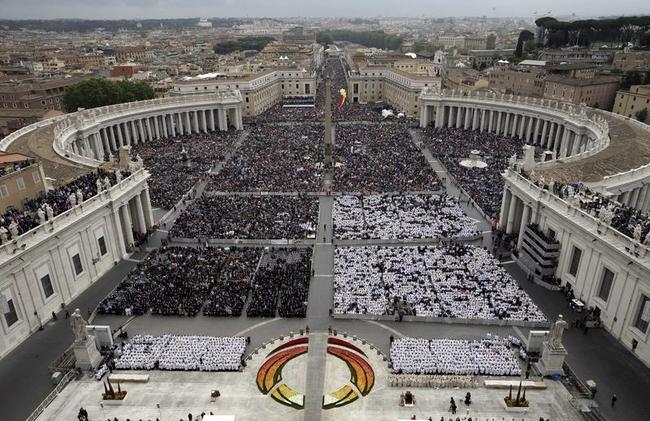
pixel 636 197
pixel 108 137
pixel 133 214
pixel 544 131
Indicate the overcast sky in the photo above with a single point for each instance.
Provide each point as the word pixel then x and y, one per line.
pixel 140 9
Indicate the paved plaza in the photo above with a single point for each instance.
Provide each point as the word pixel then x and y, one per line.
pixel 180 393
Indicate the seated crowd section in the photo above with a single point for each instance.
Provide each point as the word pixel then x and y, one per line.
pixel 493 356
pixel 401 217
pixel 248 217
pixel 177 163
pixel 380 158
pixel 57 201
pixel 483 185
pixel 452 280
pixel 188 353
pixel 276 158
pixel 180 281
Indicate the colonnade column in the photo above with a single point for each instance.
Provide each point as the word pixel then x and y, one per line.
pixel 543 140
pixel 482 121
pixel 536 131
pixel 645 201
pixel 522 127
pixel 146 205
pixel 524 222
pixel 142 225
pixel 127 227
pixel 111 133
pixel 475 119
pixel 119 232
pixel 211 117
pixel 511 214
pixel 505 206
pixel 439 116
pixel 564 143
pixel 468 117
pixel 506 125
pixel 195 118
pixel 222 119
pixel 188 123
pixel 239 124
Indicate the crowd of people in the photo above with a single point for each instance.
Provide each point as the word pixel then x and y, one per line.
pixel 180 281
pixel 350 111
pixel 452 281
pixel 493 356
pixel 401 217
pixel 483 185
pixel 170 281
pixel 282 284
pixel 286 158
pixel 436 381
pixel 45 207
pixel 256 217
pixel 380 158
pixel 187 353
pixel 177 163
pixel 625 219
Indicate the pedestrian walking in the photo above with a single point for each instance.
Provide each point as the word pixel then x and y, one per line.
pixel 614 399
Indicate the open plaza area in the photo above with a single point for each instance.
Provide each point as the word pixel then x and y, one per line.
pixel 325 264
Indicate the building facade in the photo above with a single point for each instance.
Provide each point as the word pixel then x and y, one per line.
pixel 629 103
pixel 630 60
pixel 21 177
pixel 259 91
pixel 49 266
pixel 597 92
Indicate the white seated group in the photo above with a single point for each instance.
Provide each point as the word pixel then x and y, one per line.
pixel 491 356
pixel 190 353
pixel 453 280
pixel 400 217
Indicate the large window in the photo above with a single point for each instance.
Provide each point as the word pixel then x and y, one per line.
pixel 575 261
pixel 46 283
pixel 643 315
pixel 76 262
pixel 10 313
pixel 606 284
pixel 102 246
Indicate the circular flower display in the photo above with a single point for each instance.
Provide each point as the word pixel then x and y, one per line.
pixel 362 376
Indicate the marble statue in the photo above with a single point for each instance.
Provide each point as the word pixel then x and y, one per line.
pixel 78 326
pixel 13 229
pixel 72 199
pixel 555 334
pixel 99 185
pixel 41 216
pixel 637 232
pixel 80 196
pixel 646 242
pixel 512 162
pixel 107 183
pixel 49 211
pixel 118 176
pixel 4 235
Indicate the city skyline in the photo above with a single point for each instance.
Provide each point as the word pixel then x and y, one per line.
pixel 143 9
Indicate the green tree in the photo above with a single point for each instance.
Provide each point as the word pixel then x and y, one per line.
pixel 631 78
pixel 641 115
pixel 246 43
pixel 96 92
